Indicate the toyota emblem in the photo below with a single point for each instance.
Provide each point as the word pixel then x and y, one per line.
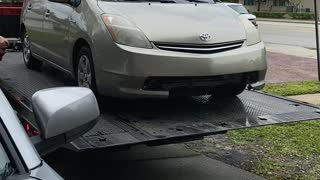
pixel 205 37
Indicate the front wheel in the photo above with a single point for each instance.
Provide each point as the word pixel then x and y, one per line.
pixel 29 60
pixel 85 70
pixel 229 90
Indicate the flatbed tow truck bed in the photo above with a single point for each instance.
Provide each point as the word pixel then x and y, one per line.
pixel 153 121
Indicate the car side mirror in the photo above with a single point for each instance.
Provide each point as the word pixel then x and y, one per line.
pixel 60 110
pixel 62 115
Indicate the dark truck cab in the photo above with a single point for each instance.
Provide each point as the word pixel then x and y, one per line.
pixel 10 11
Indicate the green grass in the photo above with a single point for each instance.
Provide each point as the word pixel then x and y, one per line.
pixel 297 139
pixel 290 151
pixel 293 88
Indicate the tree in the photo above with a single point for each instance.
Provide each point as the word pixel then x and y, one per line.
pixel 259 5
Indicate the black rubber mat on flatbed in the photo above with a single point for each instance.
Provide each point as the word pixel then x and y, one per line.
pixel 154 121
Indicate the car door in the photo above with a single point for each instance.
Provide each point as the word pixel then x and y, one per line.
pixel 56 26
pixel 33 16
pixel 18 157
pixel 13 166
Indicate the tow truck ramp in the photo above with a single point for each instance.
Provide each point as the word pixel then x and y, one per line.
pixel 153 121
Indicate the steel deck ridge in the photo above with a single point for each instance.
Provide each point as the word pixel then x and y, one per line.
pixel 124 123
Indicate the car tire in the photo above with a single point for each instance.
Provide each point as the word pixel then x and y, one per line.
pixel 28 59
pixel 229 90
pixel 85 73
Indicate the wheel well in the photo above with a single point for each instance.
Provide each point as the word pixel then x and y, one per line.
pixel 79 43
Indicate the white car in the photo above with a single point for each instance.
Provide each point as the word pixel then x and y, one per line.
pixel 239 8
pixel 62 115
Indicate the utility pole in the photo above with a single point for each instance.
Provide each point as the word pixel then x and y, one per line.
pixel 317 34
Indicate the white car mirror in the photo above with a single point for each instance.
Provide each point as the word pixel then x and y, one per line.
pixel 61 110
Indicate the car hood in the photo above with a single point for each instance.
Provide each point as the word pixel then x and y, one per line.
pixel 180 23
pixel 248 16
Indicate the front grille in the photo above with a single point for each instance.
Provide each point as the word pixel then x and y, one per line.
pixel 200 48
pixel 170 83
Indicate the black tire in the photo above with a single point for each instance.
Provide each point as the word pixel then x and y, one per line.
pixel 28 59
pixel 229 90
pixel 85 52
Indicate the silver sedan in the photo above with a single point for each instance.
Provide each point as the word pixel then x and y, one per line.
pixel 138 48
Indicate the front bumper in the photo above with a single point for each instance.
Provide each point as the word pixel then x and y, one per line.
pixel 140 64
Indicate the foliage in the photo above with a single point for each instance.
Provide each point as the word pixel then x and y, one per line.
pixel 293 88
pixel 304 16
pixel 288 151
pixel 279 15
pixel 269 14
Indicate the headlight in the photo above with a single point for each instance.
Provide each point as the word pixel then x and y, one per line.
pixel 125 32
pixel 252 33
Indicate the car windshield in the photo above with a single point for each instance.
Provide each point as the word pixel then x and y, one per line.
pixel 239 8
pixel 166 1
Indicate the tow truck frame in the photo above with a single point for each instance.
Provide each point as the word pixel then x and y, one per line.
pixel 124 123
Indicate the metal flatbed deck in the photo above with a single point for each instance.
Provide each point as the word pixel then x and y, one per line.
pixel 154 121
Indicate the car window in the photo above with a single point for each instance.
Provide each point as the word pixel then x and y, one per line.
pixel 6 168
pixel 240 9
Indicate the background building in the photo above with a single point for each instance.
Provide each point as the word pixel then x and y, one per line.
pixel 279 5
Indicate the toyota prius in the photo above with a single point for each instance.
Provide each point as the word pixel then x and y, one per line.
pixel 141 48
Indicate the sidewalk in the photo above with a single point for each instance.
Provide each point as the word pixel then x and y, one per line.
pixel 286 68
pixel 309 98
pixel 292 50
pixel 283 67
pixel 286 20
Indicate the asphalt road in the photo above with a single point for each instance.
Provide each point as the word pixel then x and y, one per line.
pixel 288 33
pixel 143 163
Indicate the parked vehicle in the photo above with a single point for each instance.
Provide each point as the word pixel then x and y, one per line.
pixel 145 49
pixel 62 115
pixel 239 8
